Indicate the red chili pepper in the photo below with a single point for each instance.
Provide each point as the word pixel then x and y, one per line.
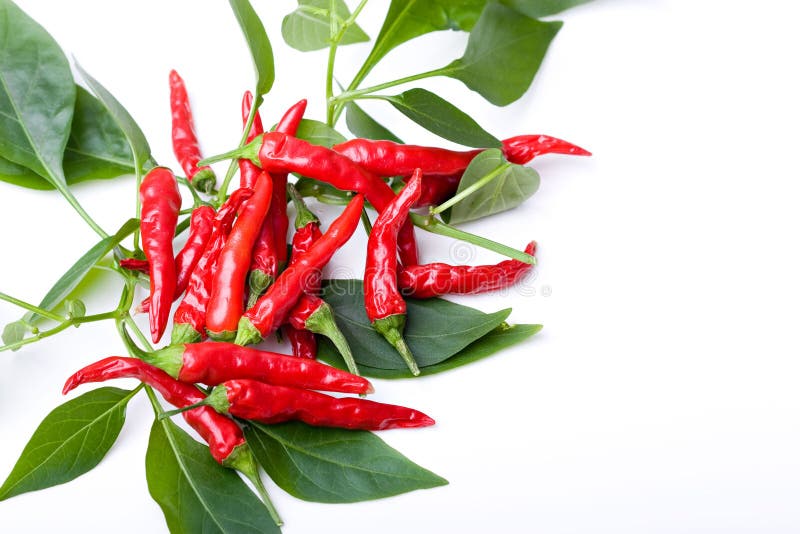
pixel 386 308
pixel 434 279
pixel 270 404
pixel 135 264
pixel 523 148
pixel 277 152
pixel 437 189
pixel 248 173
pixel 269 252
pixel 225 439
pixel 184 139
pixel 273 308
pixel 189 321
pixel 161 202
pixel 202 223
pixel 215 362
pixel 227 300
pixel 303 342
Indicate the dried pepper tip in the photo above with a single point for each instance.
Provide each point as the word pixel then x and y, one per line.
pixel 304 216
pixel 247 333
pixel 322 322
pixel 243 460
pixel 169 359
pixel 248 152
pixel 205 180
pixel 184 333
pixel 391 328
pixel 258 282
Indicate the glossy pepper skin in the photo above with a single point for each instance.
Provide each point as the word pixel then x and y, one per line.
pixel 385 306
pixel 435 279
pixel 279 152
pixel 135 264
pixel 303 342
pixel 161 203
pixel 226 304
pixel 189 321
pixel 184 140
pixel 200 227
pixel 213 363
pixel 268 404
pixel 273 308
pixel 248 173
pixel 269 252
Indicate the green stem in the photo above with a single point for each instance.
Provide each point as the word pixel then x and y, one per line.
pixel 435 226
pixel 67 194
pixel 60 328
pixel 471 189
pixel 329 101
pixel 139 177
pixel 30 307
pixel 365 222
pixel 223 190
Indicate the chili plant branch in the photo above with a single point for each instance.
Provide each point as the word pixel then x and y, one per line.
pixel 31 308
pixel 471 189
pixel 223 190
pixel 72 321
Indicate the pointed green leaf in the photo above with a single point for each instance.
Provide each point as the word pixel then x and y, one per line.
pixel 439 116
pixel 37 95
pixel 435 328
pixel 318 133
pixel 195 493
pixel 508 190
pixel 542 8
pixel 325 193
pixel 308 27
pixel 504 52
pixel 259 45
pixel 363 125
pixel 69 442
pixel 334 465
pixel 14 332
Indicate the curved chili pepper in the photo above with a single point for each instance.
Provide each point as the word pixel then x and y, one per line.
pixel 277 152
pixel 200 228
pixel 226 304
pixel 270 404
pixel 184 139
pixel 248 173
pixel 161 202
pixel 386 308
pixel 225 439
pixel 303 342
pixel 189 321
pixel 434 279
pixel 313 314
pixel 523 148
pixel 215 362
pixel 269 252
pixel 272 309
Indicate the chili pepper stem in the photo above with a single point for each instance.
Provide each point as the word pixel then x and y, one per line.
pixel 322 322
pixel 183 333
pixel 242 459
pixel 248 151
pixel 168 359
pixel 247 333
pixel 391 328
pixel 258 282
pixel 485 180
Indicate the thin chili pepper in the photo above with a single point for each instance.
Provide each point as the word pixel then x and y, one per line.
pixel 303 342
pixel 268 404
pixel 386 308
pixel 226 304
pixel 202 223
pixel 225 439
pixel 184 139
pixel 248 173
pixel 189 321
pixel 277 152
pixel 437 189
pixel 269 252
pixel 215 362
pixel 273 308
pixel 434 279
pixel 135 264
pixel 161 202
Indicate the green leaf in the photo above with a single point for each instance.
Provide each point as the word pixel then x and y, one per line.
pixel 325 193
pixel 318 133
pixel 542 8
pixel 70 441
pixel 498 339
pixel 259 45
pixel 408 19
pixel 69 280
pixel 508 190
pixel 308 27
pixel 14 332
pixel 334 465
pixel 36 98
pixel 136 139
pixel 195 493
pixel 19 175
pixel 439 116
pixel 75 308
pixel 363 125
pixel 504 52
pixel 435 328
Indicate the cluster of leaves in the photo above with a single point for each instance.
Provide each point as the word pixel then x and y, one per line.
pixel 57 133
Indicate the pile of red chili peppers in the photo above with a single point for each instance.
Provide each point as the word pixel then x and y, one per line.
pixel 238 282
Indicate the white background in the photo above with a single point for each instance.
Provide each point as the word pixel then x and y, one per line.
pixel 661 395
